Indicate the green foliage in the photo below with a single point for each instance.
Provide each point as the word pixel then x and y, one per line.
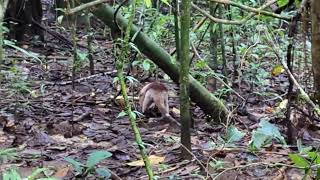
pixel 312 159
pixel 306 159
pixel 264 135
pixel 122 114
pixel 299 161
pixel 77 165
pixel 13 174
pixel 94 158
pixel 82 59
pixel 217 164
pixel 17 79
pixel 27 53
pixel 10 153
pixel 257 75
pixel 282 3
pixel 233 135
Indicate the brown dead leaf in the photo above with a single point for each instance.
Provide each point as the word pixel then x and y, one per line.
pixel 281 175
pixel 176 112
pixel 62 172
pixel 154 160
pixel 120 101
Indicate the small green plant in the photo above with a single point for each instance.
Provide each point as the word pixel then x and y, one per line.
pixel 233 135
pixel 309 163
pixel 307 160
pixel 83 170
pixel 17 78
pixel 13 174
pixel 5 154
pixel 82 60
pixel 33 55
pixel 264 135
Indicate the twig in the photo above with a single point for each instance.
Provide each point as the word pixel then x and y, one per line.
pixel 305 96
pixel 85 6
pixel 82 116
pixel 256 11
pixel 252 164
pixel 215 76
pixel 200 163
pixel 239 22
pixel 81 79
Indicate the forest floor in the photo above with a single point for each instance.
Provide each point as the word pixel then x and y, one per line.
pixel 47 120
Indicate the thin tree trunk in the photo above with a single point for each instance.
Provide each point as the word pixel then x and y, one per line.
pixel 184 81
pixel 177 27
pixel 223 53
pixel 213 63
pixel 315 16
pixel 3 7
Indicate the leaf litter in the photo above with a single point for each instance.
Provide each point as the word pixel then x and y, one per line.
pixel 53 121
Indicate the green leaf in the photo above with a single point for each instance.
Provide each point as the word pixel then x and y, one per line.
pixel 282 3
pixel 233 134
pixel 271 130
pixel 36 173
pixel 258 139
pixel 134 115
pixel 165 2
pixel 11 174
pixel 104 173
pixel 115 79
pixel 122 114
pixel 148 3
pixel 77 165
pixel 265 134
pixel 8 153
pixel 30 54
pixel 314 156
pixel 96 157
pixel 146 65
pixel 82 55
pixel 297 3
pixel 299 161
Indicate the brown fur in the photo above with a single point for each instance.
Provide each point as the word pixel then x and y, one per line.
pixel 154 94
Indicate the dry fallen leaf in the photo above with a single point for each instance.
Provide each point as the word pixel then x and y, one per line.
pixel 61 173
pixel 176 112
pixel 153 160
pixel 120 101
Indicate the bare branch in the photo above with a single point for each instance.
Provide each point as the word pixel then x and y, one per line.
pixel 85 6
pixel 238 22
pixel 254 10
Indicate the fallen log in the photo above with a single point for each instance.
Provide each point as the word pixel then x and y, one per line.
pixel 210 104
